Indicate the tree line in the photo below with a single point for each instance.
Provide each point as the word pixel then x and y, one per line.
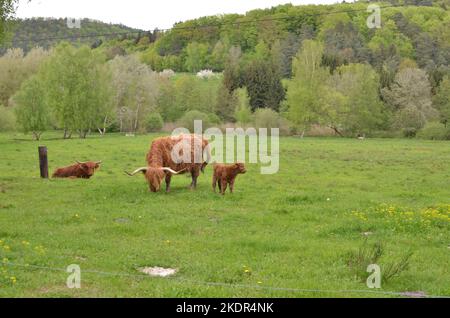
pixel 310 69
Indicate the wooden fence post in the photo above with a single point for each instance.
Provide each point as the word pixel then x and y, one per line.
pixel 43 162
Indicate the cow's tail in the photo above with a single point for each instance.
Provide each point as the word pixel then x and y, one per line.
pixel 207 152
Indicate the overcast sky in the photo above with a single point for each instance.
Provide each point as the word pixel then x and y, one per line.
pixel 146 14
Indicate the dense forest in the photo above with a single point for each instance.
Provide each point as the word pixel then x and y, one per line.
pixel 293 67
pixel 47 32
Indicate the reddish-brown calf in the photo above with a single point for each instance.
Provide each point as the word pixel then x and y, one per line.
pixel 226 175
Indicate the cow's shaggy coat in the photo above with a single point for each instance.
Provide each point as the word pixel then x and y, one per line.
pixel 161 164
pixel 84 170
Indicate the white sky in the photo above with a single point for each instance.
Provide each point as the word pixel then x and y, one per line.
pixel 146 14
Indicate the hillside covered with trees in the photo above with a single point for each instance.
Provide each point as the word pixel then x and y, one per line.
pixel 47 32
pixel 293 67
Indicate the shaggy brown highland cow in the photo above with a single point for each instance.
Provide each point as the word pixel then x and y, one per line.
pixel 161 165
pixel 84 170
pixel 226 174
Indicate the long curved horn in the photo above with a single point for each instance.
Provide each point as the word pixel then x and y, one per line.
pixel 99 162
pixel 171 170
pixel 137 171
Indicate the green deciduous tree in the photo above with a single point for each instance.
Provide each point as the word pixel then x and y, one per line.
pixel 187 92
pixel 387 36
pixel 77 88
pixel 136 89
pixel 7 119
pixel 306 90
pixel 219 55
pixel 262 77
pixel 410 100
pixel 442 100
pixel 15 67
pixel 32 111
pixel 363 110
pixel 196 56
pixel 343 45
pixel 7 9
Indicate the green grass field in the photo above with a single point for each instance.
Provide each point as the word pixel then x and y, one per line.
pixel 276 236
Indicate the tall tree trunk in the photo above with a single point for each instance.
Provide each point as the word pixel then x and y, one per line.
pixel 137 118
pixel 83 133
pixel 105 123
pixel 103 130
pixel 67 133
pixel 337 131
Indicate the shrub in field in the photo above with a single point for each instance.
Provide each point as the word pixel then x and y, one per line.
pixel 7 119
pixel 366 255
pixel 206 74
pixel 363 257
pixel 286 127
pixel 185 93
pixel 213 119
pixel 154 122
pixel 187 121
pixel 226 102
pixel 267 118
pixel 167 73
pixel 410 120
pixel 320 131
pixel 243 112
pixel 434 131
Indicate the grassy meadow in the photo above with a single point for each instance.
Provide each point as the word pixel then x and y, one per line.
pixel 276 236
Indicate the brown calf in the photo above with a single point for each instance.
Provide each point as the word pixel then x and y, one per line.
pixel 83 170
pixel 226 174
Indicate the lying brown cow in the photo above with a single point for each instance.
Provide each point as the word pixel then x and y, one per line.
pixel 226 174
pixel 161 166
pixel 84 170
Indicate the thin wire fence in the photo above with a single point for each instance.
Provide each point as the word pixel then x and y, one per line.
pixel 230 285
pixel 197 27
